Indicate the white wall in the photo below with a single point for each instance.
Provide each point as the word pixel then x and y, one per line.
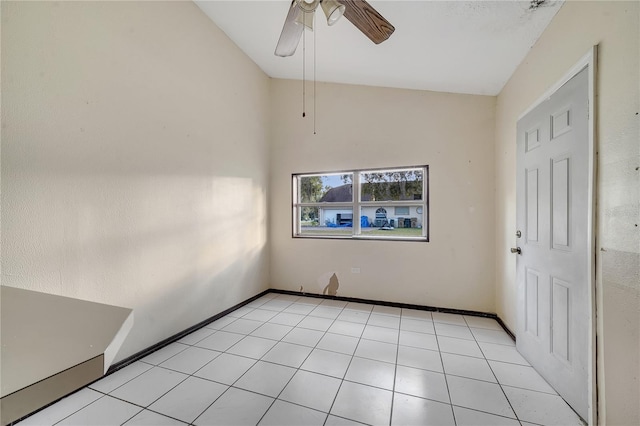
pixel 134 161
pixel 575 29
pixel 366 127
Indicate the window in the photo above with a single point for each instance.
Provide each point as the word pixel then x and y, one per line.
pixel 362 204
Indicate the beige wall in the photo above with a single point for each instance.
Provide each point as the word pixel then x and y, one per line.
pixel 577 27
pixel 361 127
pixel 134 161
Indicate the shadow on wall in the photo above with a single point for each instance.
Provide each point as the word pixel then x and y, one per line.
pixel 332 288
pixel 188 301
pixel 176 249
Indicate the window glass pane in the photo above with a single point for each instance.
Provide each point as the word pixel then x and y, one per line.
pixel 326 221
pixel 391 204
pixel 329 188
pixel 384 221
pixel 401 211
pixel 391 185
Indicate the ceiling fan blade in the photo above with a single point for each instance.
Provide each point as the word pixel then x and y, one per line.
pixel 291 33
pixel 367 20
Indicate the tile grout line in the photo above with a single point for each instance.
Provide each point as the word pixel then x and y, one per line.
pixel 298 368
pixel 352 356
pixel 131 402
pixel 142 408
pixel 109 394
pixel 272 362
pixel 252 365
pixel 327 332
pixel 132 416
pixel 147 409
pixel 489 413
pixel 80 409
pixel 256 361
pixel 395 369
pixel 307 357
pixel 444 373
pixel 169 369
pixel 193 373
pixel 494 375
pixel 347 369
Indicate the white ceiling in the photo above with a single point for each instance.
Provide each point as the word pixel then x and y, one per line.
pixel 448 46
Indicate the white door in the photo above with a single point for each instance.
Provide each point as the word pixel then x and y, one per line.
pixel 552 217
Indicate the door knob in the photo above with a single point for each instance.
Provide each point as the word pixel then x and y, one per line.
pixel 516 250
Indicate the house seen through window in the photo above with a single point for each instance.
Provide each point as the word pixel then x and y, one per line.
pixel 368 204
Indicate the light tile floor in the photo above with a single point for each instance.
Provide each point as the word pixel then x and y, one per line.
pixel 289 360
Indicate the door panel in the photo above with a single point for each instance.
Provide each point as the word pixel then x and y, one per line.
pixel 560 203
pixel 532 139
pixel 532 205
pixel 531 303
pixel 560 324
pixel 552 270
pixel 560 122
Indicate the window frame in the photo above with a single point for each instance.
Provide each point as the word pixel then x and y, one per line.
pixel 357 204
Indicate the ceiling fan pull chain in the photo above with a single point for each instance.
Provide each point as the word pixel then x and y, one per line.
pixel 314 79
pixel 304 48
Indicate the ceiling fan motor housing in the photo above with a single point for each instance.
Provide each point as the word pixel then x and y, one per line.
pixel 358 12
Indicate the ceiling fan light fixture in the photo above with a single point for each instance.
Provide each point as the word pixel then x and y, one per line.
pixel 332 10
pixel 306 10
pixel 360 13
pixel 305 18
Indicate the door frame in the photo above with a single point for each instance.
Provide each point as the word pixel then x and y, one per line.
pixel 589 61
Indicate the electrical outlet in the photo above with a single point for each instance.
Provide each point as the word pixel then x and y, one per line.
pixel 355 270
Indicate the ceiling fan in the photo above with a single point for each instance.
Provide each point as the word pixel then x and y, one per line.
pixel 359 12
